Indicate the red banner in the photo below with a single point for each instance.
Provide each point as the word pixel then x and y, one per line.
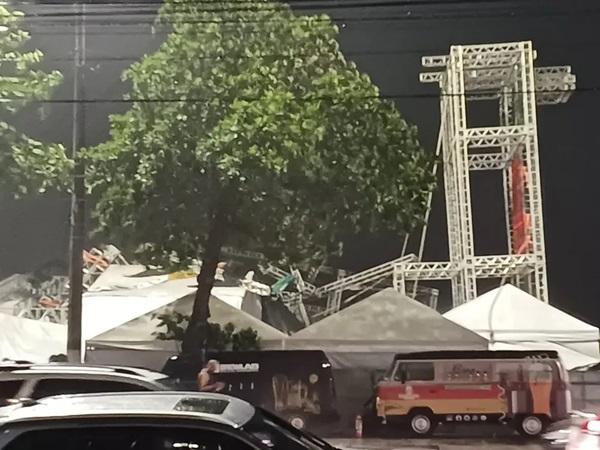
pixel 521 220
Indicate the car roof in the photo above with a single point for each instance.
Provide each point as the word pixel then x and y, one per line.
pixel 217 408
pixel 57 368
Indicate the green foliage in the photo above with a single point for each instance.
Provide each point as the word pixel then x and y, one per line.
pixel 175 324
pixel 25 164
pixel 219 338
pixel 245 340
pixel 259 120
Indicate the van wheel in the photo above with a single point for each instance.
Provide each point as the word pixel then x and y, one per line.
pixel 422 422
pixel 297 421
pixel 530 426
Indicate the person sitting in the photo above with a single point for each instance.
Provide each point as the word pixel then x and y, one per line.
pixel 207 378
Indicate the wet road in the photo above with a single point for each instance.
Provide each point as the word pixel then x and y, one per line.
pixel 435 444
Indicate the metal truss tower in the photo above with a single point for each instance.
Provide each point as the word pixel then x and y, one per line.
pixel 505 74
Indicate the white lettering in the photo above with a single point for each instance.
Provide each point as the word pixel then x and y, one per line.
pixel 234 368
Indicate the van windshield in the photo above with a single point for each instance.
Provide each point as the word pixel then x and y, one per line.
pixel 390 371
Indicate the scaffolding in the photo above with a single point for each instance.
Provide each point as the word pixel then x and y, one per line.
pixel 46 302
pixel 96 261
pixel 503 73
pixel 50 302
pixel 346 289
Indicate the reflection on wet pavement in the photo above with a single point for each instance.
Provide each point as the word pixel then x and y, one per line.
pixel 434 444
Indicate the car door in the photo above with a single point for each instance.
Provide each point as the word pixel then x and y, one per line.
pixel 123 434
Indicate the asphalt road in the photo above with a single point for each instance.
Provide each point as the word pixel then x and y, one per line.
pixel 435 444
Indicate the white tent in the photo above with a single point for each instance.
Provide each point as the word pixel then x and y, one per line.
pixel 367 333
pixel 102 312
pixel 135 342
pixel 124 276
pixel 139 333
pixel 30 340
pixel 572 359
pixel 511 318
pixel 106 310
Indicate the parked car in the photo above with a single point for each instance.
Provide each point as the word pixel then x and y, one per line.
pixel 557 434
pixel 582 434
pixel 35 381
pixel 296 384
pixel 150 420
pixel 529 390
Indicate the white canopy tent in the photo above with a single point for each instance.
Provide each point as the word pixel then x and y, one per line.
pixel 125 276
pixel 369 332
pixel 572 359
pixel 30 340
pixel 139 333
pixel 510 318
pixel 104 311
pixel 107 310
pixel 135 342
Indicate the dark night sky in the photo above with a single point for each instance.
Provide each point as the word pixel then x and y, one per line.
pixel 34 231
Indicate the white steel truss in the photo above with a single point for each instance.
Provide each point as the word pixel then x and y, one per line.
pixel 292 300
pixel 51 301
pixel 356 284
pixel 502 73
pixel 365 278
pixel 48 302
pixel 96 261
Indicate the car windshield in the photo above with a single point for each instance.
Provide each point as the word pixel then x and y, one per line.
pixel 276 432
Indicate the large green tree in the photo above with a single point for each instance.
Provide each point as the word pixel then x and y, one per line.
pixel 25 163
pixel 248 127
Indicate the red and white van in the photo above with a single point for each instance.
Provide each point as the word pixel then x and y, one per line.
pixel 527 389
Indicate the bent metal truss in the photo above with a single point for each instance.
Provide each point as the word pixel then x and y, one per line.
pixel 503 73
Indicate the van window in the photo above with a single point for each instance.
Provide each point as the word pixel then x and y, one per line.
pixel 467 371
pixel 415 371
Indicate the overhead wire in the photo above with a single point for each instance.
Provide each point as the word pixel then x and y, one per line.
pixel 308 98
pixel 312 5
pixel 572 46
pixel 409 16
pixel 44 25
pixel 135 28
pixel 503 10
pixel 298 4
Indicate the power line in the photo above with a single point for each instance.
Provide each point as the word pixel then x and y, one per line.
pixel 300 4
pixel 575 46
pixel 407 17
pixel 315 5
pixel 308 98
pixel 163 30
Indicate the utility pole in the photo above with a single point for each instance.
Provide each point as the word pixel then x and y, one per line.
pixel 77 229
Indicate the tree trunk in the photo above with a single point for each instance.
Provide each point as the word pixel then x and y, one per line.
pixel 194 340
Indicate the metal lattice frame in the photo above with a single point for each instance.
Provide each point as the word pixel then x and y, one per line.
pixel 505 73
pixel 48 303
pixel 356 285
pixel 51 303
